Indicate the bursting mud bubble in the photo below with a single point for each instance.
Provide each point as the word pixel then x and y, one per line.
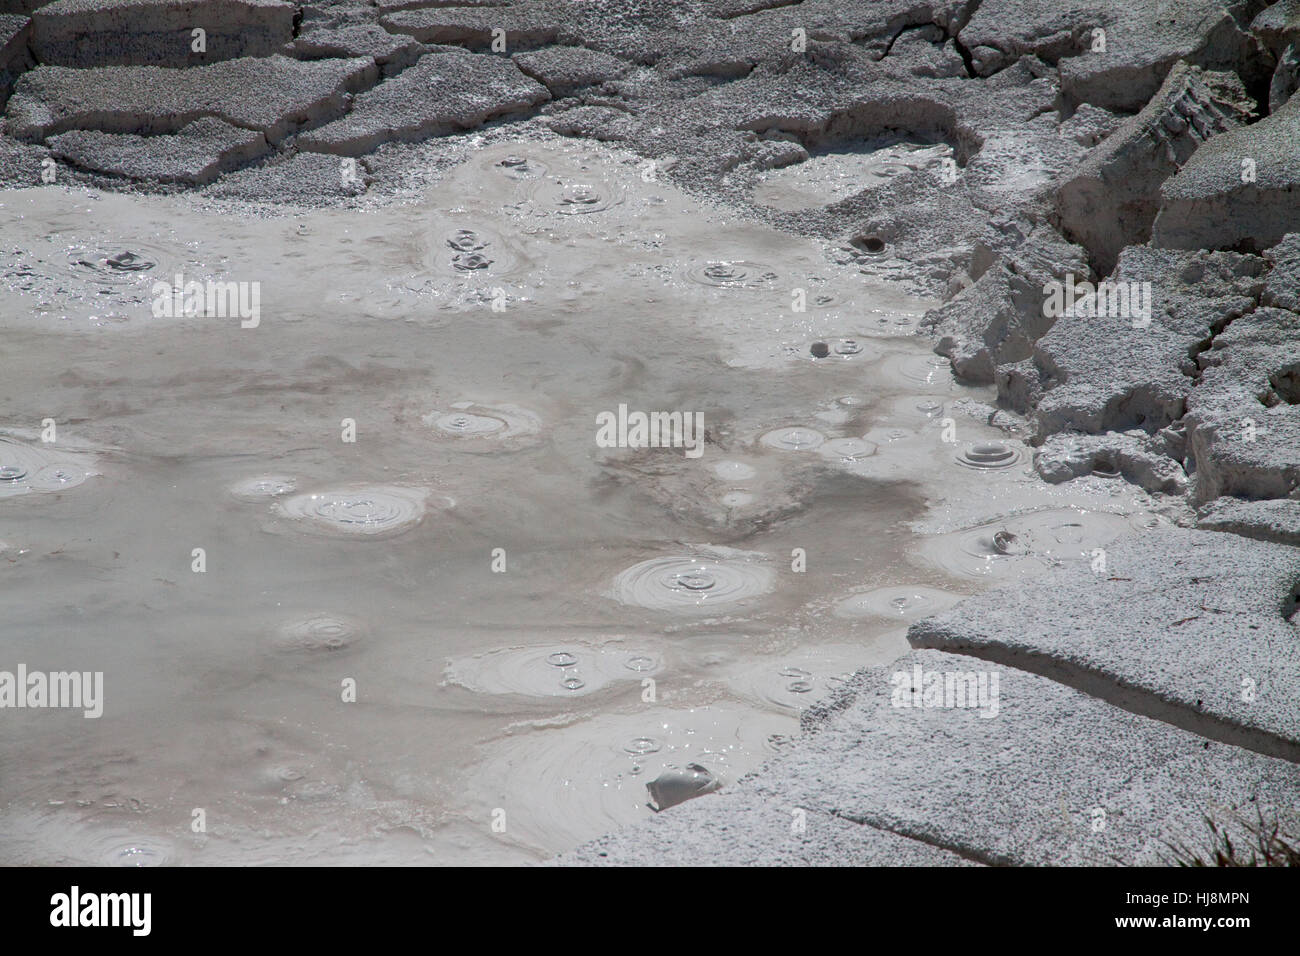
pixel 302 445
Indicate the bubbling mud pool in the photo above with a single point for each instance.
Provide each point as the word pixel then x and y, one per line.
pixel 362 584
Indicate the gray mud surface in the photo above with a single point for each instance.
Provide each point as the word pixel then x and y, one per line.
pixel 311 327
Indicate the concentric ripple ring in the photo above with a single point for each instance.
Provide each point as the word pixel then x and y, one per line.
pixel 686 582
pixel 368 510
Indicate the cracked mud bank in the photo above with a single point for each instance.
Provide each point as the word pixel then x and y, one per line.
pixel 447 238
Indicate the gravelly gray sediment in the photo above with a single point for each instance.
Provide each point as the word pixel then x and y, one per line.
pixel 1209 650
pixel 15 56
pixel 1241 189
pixel 392 54
pixel 443 91
pixel 196 154
pixel 1268 520
pixel 158 32
pixel 1056 777
pixel 744 828
pixel 273 95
